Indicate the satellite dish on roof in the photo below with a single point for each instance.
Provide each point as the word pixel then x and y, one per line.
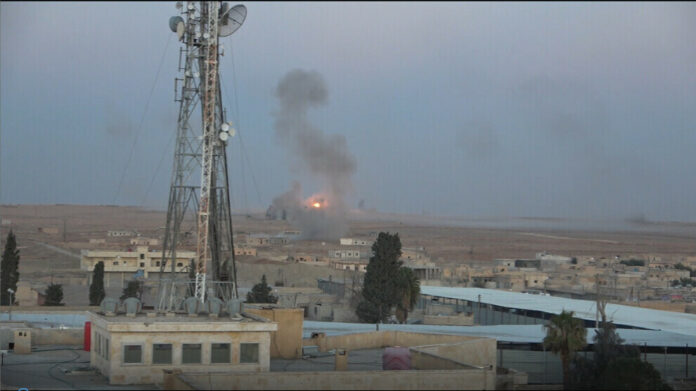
pixel 231 19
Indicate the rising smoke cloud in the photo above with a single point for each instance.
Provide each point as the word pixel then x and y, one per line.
pixel 324 156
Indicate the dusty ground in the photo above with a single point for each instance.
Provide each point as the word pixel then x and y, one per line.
pixel 45 256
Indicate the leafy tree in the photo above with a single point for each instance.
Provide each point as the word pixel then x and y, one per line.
pixel 379 292
pixel 564 336
pixel 96 289
pixel 133 289
pixel 633 262
pixel 10 269
pixel 261 293
pixel 614 366
pixel 408 286
pixel 54 295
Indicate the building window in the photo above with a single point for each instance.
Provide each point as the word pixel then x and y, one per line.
pixel 115 263
pixel 157 263
pixel 98 340
pixel 106 349
pixel 191 353
pixel 132 354
pixel 142 256
pixel 162 353
pixel 219 353
pixel 179 264
pixel 142 264
pixel 249 353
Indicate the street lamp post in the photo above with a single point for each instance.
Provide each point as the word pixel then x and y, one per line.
pixel 11 292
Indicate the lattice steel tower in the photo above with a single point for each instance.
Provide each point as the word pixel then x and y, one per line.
pixel 200 184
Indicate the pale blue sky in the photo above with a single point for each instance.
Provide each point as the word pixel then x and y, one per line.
pixel 470 109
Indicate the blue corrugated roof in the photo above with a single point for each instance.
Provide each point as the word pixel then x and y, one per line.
pixel 646 318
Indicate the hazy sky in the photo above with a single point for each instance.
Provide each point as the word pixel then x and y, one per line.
pixel 471 109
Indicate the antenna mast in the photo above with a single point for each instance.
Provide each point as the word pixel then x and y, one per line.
pixel 207 200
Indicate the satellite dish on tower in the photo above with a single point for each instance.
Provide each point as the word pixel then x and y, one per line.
pixel 231 19
pixel 176 24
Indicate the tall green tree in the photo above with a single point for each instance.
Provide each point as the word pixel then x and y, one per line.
pixel 54 295
pixel 133 289
pixel 564 336
pixel 408 286
pixel 96 289
pixel 9 276
pixel 614 366
pixel 380 286
pixel 261 293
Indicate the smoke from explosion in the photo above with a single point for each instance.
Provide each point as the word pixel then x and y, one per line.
pixel 325 156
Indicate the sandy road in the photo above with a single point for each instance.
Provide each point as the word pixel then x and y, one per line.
pixel 567 238
pixel 58 249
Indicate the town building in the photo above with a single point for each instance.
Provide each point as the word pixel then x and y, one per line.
pixel 355 242
pixel 245 250
pixel 137 349
pixel 142 241
pixel 121 233
pixel 131 261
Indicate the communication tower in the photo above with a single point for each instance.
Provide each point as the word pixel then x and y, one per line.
pixel 199 187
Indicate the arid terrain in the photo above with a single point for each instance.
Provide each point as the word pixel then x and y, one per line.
pixel 47 256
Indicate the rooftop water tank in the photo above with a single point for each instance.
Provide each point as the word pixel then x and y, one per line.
pixel 133 306
pixel 234 306
pixel 109 306
pixel 215 306
pixel 192 305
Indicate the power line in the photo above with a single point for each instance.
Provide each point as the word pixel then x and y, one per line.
pixel 238 119
pixel 142 120
pixel 152 181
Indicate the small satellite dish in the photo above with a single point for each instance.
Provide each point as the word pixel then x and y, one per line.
pixel 232 132
pixel 190 6
pixel 180 28
pixel 206 35
pixel 179 5
pixel 224 136
pixel 231 19
pixel 225 127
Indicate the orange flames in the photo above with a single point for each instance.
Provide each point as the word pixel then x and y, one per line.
pixel 316 205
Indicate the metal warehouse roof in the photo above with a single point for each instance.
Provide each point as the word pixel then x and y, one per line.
pixel 620 314
pixel 534 333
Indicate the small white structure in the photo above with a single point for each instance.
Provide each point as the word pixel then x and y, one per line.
pixel 119 234
pixel 355 242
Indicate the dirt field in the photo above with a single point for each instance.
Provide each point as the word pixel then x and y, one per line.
pixel 45 256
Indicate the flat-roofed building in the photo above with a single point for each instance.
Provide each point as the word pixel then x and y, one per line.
pixel 347 254
pixel 137 349
pixel 355 242
pixel 349 264
pixel 142 258
pixel 142 241
pixel 245 250
pixel 121 233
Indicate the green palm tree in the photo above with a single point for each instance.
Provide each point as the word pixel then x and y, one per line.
pixel 564 336
pixel 408 287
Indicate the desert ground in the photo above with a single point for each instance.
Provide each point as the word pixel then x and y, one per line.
pixel 448 242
